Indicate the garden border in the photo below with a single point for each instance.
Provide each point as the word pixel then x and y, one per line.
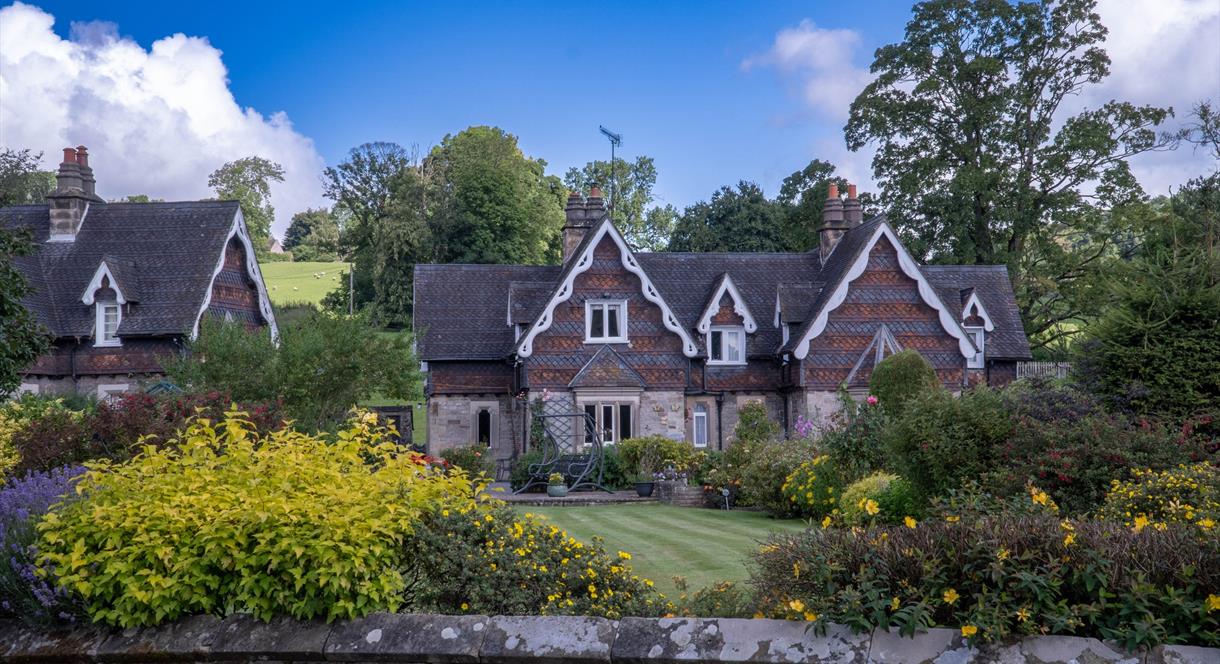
pixel 387 637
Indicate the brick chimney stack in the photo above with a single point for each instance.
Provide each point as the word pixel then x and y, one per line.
pixel 582 215
pixel 853 214
pixel 74 192
pixel 834 225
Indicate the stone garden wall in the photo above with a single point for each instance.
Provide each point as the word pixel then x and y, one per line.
pixel 411 638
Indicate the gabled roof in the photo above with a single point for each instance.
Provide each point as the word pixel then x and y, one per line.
pixel 722 287
pixel 882 346
pixel 163 256
pixel 607 369
pixel 994 290
pixel 793 300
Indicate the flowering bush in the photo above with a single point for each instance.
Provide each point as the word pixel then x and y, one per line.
pixel 971 502
pixel 481 557
pixel 813 489
pixel 23 502
pixel 878 498
pixel 473 459
pixel 223 520
pixel 999 577
pixel 764 476
pixel 649 454
pixel 853 439
pixel 43 434
pixel 1187 494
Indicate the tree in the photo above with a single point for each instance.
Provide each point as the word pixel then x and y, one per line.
pixel 740 219
pixel 21 182
pixel 313 235
pixel 632 184
pixel 489 203
pixel 803 194
pixel 323 366
pixel 248 181
pixel 22 339
pixel 976 161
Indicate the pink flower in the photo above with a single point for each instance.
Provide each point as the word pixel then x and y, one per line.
pixel 872 400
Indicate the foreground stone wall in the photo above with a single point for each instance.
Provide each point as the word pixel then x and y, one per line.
pixel 412 638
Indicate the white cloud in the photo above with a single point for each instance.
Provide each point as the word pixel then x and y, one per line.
pixel 818 62
pixel 156 121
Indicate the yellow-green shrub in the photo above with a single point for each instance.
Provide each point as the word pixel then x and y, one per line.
pixel 222 521
pixel 1186 494
pixel 8 452
pixel 813 488
pixel 878 498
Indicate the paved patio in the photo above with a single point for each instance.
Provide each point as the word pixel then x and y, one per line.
pixel 504 492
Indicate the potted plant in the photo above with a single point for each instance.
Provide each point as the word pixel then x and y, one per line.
pixel 555 486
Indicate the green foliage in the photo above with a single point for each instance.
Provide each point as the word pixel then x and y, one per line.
pixel 1188 494
pixel 520 473
pixel 813 488
pixel 971 99
pixel 854 438
pixel 248 181
pixel 41 434
pixel 313 236
pixel 803 193
pixel 879 498
pixel 767 469
pixel 224 521
pixel 616 474
pixel 1003 577
pixel 901 377
pixel 754 425
pixel 740 219
pixel 646 228
pixel 484 559
pixel 650 454
pixel 942 440
pixel 724 599
pixel 324 365
pixel 21 181
pixel 23 338
pixel 473 459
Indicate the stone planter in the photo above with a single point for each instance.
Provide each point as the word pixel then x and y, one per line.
pixel 644 489
pixel 678 492
pixel 556 490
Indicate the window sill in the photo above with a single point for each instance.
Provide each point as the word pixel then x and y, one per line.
pixel 108 344
pixel 718 363
pixel 610 340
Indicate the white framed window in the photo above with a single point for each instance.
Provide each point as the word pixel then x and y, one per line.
pixel 606 321
pixel 111 391
pixel 106 332
pixel 978 336
pixel 699 428
pixel 615 422
pixel 726 345
pixel 483 416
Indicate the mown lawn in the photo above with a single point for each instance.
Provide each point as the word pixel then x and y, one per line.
pixel 703 545
pixel 293 283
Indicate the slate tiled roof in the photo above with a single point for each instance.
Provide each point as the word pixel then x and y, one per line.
pixel 607 369
pixel 462 311
pixel 162 255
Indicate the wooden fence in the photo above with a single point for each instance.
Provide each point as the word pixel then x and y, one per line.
pixel 1043 369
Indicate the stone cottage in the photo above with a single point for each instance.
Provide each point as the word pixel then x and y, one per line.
pixel 676 343
pixel 121 285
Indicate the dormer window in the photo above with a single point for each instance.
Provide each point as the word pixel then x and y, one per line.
pixel 109 315
pixel 726 345
pixel 606 321
pixel 978 336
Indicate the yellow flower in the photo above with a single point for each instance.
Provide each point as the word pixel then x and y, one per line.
pixel 909 521
pixel 624 555
pixel 1040 497
pixel 1069 539
pixel 444 512
pixel 796 605
pixel 1022 614
pixel 810 616
pixel 1003 554
pixel 953 519
pixel 796 570
pixel 465 606
pixel 1213 603
pixel 951 596
pixel 826 522
pixel 1207 524
pixel 871 507
pixel 969 630
pixel 894 604
pixel 1141 522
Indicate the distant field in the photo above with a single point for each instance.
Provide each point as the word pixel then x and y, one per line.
pixel 295 283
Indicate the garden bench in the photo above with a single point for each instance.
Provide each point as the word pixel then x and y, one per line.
pixel 581 470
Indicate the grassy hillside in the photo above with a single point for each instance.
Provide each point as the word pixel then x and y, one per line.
pixel 294 283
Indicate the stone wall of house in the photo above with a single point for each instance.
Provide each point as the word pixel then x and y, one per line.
pixel 663 413
pixel 417 638
pixel 452 422
pixel 97 386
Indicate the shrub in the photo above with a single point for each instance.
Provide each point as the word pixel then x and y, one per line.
pixel 901 377
pixel 473 459
pixel 942 440
pixel 813 488
pixel 520 473
pixel 485 559
pixel 650 454
pixel 879 498
pixel 853 439
pixel 972 502
pixel 222 520
pixel 766 473
pixel 615 473
pixel 1187 494
pixel 52 437
pixel 724 599
pixel 714 475
pixel 754 425
pixel 24 594
pixel 1002 576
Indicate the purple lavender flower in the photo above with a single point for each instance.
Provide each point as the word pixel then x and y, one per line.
pixel 22 503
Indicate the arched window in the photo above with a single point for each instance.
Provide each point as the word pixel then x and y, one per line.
pixel 483 427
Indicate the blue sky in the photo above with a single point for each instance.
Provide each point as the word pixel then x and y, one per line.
pixel 714 91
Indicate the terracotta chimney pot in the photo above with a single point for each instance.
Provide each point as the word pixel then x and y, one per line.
pixel 595 192
pixel 851 191
pixel 834 191
pixel 69 156
pixel 82 155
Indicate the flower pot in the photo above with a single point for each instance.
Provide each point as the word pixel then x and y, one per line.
pixel 644 489
pixel 556 490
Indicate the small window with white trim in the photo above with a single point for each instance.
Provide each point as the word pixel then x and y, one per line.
pixel 726 345
pixel 606 321
pixel 613 422
pixel 109 315
pixel 699 432
pixel 978 336
pixel 111 391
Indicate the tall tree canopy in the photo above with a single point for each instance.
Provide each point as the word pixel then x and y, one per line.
pixel 22 339
pixel 489 203
pixel 740 219
pixel 976 161
pixel 21 182
pixel 313 235
pixel 803 193
pixel 645 226
pixel 248 181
